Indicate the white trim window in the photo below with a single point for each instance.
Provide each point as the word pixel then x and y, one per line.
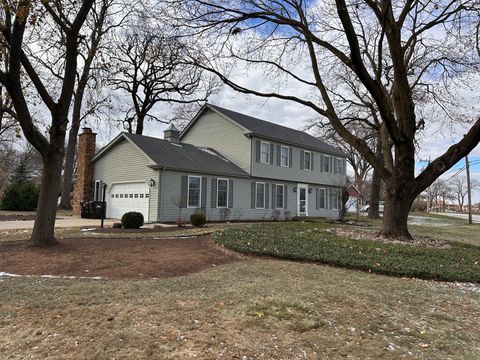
pixel 259 195
pixel 339 166
pixel 326 164
pixel 222 193
pixel 279 196
pixel 307 160
pixel 97 196
pixel 335 198
pixel 322 198
pixel 264 152
pixel 194 191
pixel 284 156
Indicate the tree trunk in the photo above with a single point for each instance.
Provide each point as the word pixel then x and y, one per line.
pixel 43 233
pixel 398 200
pixel 65 202
pixel 373 209
pixel 140 123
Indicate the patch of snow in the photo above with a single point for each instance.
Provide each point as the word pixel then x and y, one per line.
pixel 426 221
pixel 211 152
pixel 176 144
pixel 5 274
pixel 89 229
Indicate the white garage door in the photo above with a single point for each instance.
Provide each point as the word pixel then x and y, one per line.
pixel 128 197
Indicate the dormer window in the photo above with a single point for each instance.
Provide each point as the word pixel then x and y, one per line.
pixel 307 164
pixel 264 152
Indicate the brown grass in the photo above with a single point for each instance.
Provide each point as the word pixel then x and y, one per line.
pixel 258 309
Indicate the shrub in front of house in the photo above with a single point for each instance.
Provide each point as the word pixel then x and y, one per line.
pixel 20 197
pixel 132 220
pixel 198 219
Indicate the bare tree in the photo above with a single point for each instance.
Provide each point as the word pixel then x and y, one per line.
pixel 401 54
pixel 106 16
pixel 20 17
pixel 151 69
pixel 460 189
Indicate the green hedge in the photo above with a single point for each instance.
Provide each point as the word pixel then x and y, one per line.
pixel 311 242
pixel 132 220
pixel 20 197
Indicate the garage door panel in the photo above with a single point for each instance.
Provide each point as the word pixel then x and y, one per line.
pixel 125 197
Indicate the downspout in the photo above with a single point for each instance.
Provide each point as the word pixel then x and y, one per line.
pixel 160 198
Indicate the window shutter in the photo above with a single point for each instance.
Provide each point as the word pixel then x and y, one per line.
pixel 344 166
pixel 230 194
pixel 312 161
pixel 285 196
pixel 267 197
pixel 290 157
pixel 321 162
pixel 302 160
pixel 271 153
pixel 204 192
pixel 334 165
pixel 279 155
pixel 317 198
pixel 329 197
pixel 274 196
pixel 253 195
pixel 331 164
pixel 183 191
pixel 257 150
pixel 214 193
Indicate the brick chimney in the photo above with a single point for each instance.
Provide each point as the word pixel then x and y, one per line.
pixel 83 190
pixel 172 134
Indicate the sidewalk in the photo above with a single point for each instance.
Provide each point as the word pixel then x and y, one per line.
pixel 61 222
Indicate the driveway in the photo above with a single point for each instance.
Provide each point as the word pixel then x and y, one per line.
pixel 62 222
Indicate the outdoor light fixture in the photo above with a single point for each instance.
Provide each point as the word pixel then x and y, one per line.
pixel 310 190
pixel 152 182
pixel 295 189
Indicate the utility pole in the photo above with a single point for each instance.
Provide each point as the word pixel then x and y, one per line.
pixel 469 190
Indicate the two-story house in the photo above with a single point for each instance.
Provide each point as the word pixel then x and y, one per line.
pixel 223 163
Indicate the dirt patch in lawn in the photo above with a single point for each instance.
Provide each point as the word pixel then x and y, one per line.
pixel 115 258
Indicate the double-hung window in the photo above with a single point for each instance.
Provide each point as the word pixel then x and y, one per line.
pixel 326 163
pixel 260 195
pixel 339 166
pixel 194 191
pixel 264 152
pixel 279 193
pixel 307 160
pixel 222 193
pixel 321 199
pixel 284 156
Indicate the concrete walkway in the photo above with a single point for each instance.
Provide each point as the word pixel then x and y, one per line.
pixel 61 222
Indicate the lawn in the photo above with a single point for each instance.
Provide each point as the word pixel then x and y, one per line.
pixel 328 244
pixel 250 309
pixel 246 308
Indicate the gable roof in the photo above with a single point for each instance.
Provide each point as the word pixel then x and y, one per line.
pixel 183 157
pixel 271 131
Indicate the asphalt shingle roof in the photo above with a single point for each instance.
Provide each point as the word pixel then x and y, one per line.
pixel 277 132
pixel 185 156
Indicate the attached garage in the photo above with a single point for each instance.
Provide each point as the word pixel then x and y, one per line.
pixel 125 197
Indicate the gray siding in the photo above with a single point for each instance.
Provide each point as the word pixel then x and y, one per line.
pixel 215 131
pixel 241 209
pixel 125 163
pixel 295 172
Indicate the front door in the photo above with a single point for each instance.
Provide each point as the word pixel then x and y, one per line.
pixel 302 200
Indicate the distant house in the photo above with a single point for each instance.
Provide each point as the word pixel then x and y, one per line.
pixel 222 160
